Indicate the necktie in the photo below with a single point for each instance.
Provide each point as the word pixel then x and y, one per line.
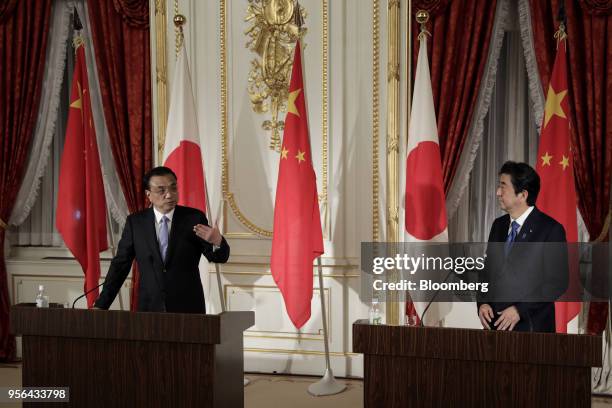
pixel 163 237
pixel 511 237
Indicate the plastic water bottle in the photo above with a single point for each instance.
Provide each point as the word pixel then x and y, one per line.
pixel 375 316
pixel 41 299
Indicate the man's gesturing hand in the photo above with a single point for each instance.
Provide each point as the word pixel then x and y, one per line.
pixel 208 234
pixel 508 318
pixel 485 313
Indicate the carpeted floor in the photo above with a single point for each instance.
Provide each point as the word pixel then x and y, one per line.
pixel 292 391
pixel 265 391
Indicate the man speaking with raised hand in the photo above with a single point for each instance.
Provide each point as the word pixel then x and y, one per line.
pixel 167 241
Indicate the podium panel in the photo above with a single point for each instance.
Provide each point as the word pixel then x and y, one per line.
pixel 126 359
pixel 440 367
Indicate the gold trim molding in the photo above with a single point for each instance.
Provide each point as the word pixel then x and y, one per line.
pixel 229 197
pixel 335 275
pixel 303 352
pixel 375 120
pixel 393 130
pixel 274 289
pixel 161 75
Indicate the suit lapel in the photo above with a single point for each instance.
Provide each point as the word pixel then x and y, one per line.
pixel 527 230
pixel 502 233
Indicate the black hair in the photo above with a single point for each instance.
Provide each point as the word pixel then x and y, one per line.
pixel 156 171
pixel 523 177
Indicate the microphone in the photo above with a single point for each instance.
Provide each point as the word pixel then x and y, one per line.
pixel 87 293
pixel 432 300
pixel 422 323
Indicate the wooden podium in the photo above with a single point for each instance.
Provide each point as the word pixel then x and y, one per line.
pixel 126 359
pixel 448 367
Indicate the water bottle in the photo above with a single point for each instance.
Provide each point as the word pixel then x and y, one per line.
pixel 41 299
pixel 375 316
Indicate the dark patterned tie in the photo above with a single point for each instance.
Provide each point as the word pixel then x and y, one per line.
pixel 511 237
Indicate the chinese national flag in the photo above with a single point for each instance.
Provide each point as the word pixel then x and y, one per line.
pixel 297 238
pixel 81 207
pixel 555 166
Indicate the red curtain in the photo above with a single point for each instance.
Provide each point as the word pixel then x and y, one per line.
pixel 120 30
pixel 589 30
pixel 24 28
pixel 458 50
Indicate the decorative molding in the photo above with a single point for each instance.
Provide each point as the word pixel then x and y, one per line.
pixel 393 72
pixel 300 352
pixel 394 4
pixel 392 144
pixel 274 289
pixel 229 197
pixel 393 129
pixel 161 70
pixel 264 336
pixel 325 95
pixel 375 120
pixel 160 76
pixel 329 275
pixel 393 214
pixel 275 27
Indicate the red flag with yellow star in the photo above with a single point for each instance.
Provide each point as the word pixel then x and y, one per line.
pixel 555 166
pixel 297 238
pixel 81 206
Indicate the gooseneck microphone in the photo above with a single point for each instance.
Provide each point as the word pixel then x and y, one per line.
pixel 422 322
pixel 87 293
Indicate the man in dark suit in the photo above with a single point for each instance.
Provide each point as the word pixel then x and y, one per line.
pixel 167 241
pixel 524 267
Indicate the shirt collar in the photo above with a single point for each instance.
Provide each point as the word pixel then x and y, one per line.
pixel 158 215
pixel 521 220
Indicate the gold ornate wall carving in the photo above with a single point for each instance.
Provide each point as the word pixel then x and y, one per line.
pixel 230 200
pixel 275 27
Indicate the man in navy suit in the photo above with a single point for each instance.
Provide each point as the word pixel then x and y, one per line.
pixel 167 241
pixel 526 272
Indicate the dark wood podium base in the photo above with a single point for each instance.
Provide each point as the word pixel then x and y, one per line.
pixel 123 359
pixel 447 367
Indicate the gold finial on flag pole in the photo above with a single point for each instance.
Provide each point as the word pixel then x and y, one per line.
pixel 422 17
pixel 77 41
pixel 179 22
pixel 560 34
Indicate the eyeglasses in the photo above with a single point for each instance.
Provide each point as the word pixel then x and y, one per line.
pixel 163 190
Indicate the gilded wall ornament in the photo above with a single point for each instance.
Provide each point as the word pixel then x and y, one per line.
pixel 275 27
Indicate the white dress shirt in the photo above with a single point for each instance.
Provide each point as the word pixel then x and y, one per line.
pixel 158 217
pixel 520 220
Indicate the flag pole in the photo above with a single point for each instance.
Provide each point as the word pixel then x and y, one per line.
pixel 328 384
pixel 218 272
